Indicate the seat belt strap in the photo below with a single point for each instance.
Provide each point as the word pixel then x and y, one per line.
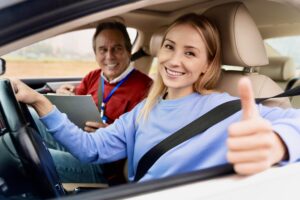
pixel 196 127
pixel 139 54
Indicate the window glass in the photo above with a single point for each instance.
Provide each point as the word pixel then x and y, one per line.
pixel 67 55
pixel 132 34
pixel 286 46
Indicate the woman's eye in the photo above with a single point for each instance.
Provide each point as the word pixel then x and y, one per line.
pixel 167 46
pixel 189 53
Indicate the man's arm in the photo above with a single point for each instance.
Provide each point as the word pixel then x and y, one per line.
pixel 66 90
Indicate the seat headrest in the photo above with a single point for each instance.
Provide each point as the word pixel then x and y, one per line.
pixel 242 44
pixel 156 40
pixel 280 68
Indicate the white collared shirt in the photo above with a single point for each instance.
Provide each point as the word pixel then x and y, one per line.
pixel 119 78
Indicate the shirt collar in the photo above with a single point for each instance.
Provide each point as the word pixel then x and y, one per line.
pixel 119 78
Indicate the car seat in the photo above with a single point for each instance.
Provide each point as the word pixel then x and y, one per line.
pixel 280 69
pixel 295 100
pixel 242 45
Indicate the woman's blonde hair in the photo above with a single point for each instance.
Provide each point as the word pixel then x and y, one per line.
pixel 207 81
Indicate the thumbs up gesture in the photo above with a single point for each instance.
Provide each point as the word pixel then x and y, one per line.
pixel 253 146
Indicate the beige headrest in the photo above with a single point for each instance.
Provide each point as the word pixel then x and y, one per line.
pixel 242 44
pixel 279 69
pixel 156 40
pixel 114 19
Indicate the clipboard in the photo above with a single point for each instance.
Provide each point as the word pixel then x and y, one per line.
pixel 78 108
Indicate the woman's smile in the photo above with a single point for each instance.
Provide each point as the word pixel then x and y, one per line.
pixel 173 73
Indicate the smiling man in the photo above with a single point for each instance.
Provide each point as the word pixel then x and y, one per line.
pixel 116 87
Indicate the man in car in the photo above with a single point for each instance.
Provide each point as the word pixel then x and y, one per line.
pixel 116 87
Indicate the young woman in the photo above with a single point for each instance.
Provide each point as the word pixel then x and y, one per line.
pixel 252 140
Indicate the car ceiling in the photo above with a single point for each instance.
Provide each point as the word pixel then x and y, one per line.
pixel 273 17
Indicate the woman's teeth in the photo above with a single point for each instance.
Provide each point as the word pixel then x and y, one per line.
pixel 174 73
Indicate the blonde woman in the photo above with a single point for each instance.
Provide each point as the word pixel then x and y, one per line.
pixel 252 140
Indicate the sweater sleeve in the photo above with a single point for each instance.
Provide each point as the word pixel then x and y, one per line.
pixel 286 124
pixel 105 145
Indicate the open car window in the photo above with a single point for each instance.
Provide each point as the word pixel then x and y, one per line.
pixel 67 55
pixel 287 46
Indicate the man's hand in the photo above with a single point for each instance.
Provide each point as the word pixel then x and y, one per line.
pixel 66 90
pixel 93 126
pixel 253 146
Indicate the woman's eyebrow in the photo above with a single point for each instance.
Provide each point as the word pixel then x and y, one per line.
pixel 186 46
pixel 169 40
pixel 190 47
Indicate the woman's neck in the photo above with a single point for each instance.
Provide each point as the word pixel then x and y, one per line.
pixel 177 93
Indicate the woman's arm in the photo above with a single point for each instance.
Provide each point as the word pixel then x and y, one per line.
pixel 253 146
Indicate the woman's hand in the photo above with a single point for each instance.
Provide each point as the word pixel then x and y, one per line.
pixel 66 90
pixel 29 96
pixel 253 146
pixel 93 126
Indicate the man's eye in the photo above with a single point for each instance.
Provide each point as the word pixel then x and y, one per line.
pixel 102 51
pixel 118 49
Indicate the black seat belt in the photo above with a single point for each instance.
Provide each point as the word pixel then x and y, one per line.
pixel 291 82
pixel 139 54
pixel 197 127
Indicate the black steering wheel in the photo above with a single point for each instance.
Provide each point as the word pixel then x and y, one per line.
pixel 26 165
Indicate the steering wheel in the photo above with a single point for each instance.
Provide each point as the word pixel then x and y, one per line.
pixel 26 165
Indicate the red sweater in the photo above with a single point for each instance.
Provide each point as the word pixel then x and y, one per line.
pixel 130 93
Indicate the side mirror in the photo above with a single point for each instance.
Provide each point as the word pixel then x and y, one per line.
pixel 2 66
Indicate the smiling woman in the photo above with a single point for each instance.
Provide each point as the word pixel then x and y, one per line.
pixel 193 55
pixel 34 21
pixel 251 139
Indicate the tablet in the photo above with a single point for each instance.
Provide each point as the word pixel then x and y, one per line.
pixel 55 85
pixel 79 108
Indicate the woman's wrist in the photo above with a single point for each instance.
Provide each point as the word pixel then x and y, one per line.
pixel 281 149
pixel 42 105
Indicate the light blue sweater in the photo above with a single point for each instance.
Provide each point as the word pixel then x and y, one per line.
pixel 127 137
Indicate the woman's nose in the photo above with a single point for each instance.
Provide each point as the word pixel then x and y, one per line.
pixel 175 59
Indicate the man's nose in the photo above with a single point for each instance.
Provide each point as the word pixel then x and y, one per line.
pixel 110 54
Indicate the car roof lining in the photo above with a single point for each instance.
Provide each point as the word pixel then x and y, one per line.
pixel 158 14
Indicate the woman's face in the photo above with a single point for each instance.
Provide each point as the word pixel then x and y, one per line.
pixel 182 58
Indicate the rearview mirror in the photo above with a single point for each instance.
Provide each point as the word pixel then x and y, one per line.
pixel 2 66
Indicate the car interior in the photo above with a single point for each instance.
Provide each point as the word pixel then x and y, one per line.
pixel 23 153
pixel 236 52
pixel 281 69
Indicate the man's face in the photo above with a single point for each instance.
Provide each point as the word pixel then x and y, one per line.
pixel 111 54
